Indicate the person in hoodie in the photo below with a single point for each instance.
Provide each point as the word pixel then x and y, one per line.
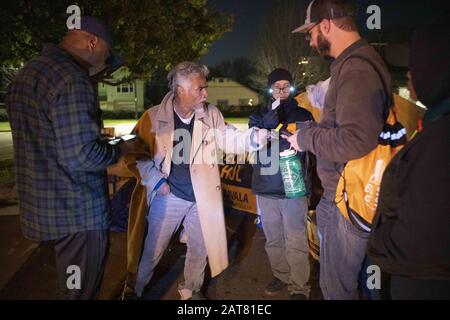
pixel 283 219
pixel 411 229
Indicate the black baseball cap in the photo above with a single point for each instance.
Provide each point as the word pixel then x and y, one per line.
pixel 94 26
pixel 325 9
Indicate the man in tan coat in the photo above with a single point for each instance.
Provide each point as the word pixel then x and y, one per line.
pixel 181 184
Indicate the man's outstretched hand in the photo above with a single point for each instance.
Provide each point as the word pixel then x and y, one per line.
pixel 292 140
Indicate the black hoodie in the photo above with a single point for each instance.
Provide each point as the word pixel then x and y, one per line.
pixel 411 230
pixel 288 112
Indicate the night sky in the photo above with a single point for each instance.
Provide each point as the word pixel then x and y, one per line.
pixel 249 15
pixel 242 41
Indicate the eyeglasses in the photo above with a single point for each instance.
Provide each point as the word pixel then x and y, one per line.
pixel 308 36
pixel 281 90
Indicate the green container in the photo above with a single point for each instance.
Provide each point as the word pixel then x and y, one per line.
pixel 291 172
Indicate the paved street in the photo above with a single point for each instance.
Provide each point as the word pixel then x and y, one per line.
pixel 6 146
pixel 28 271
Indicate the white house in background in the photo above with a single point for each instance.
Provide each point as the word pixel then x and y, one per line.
pixel 225 93
pixel 124 97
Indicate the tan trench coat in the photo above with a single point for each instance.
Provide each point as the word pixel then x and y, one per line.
pixel 155 128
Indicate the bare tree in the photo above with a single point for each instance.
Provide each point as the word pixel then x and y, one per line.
pixel 280 48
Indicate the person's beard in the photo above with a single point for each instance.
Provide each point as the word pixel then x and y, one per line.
pixel 323 45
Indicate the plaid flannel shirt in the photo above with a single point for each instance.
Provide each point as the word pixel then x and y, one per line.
pixel 60 160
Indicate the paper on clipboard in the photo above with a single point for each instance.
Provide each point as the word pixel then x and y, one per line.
pixel 122 138
pixel 128 137
pixel 275 104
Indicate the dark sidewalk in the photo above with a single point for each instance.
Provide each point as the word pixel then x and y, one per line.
pixel 29 272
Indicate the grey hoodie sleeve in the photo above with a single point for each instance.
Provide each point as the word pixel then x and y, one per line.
pixel 359 116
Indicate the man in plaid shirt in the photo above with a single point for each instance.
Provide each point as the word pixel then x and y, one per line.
pixel 60 160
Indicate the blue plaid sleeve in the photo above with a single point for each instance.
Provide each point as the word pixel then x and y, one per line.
pixel 77 129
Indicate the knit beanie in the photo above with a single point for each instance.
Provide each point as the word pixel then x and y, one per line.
pixel 277 75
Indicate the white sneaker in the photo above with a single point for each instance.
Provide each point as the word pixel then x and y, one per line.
pixel 186 294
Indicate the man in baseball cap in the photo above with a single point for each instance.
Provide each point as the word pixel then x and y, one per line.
pixel 318 10
pixel 61 159
pixel 340 31
pixel 358 97
pixel 92 43
pixel 95 27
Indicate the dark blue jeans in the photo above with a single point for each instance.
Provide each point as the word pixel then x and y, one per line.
pixel 342 253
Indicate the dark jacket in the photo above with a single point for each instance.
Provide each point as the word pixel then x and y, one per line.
pixel 353 116
pixel 411 230
pixel 288 112
pixel 60 160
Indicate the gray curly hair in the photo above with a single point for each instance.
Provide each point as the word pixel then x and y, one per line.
pixel 183 70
